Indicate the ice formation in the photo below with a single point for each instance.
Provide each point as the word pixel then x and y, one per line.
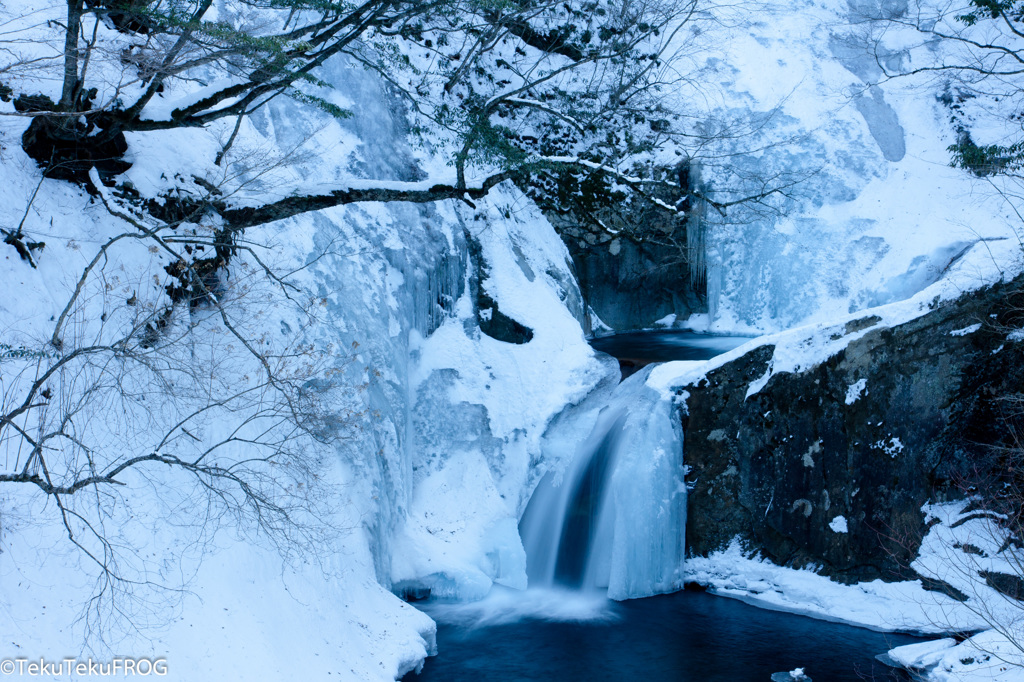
pixel 880 214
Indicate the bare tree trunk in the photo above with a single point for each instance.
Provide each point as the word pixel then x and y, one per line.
pixel 67 96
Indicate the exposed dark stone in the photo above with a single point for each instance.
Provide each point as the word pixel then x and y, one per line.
pixel 636 286
pixel 633 262
pixel 941 586
pixel 154 330
pixel 126 16
pixel 33 103
pixel 66 150
pixel 502 327
pixel 775 469
pixel 67 145
pixel 491 320
pixel 968 548
pixel 194 282
pixel 1010 585
pixel 863 323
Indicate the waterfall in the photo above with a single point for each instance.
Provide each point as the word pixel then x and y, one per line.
pixel 614 518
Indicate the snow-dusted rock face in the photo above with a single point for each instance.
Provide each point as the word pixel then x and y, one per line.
pixel 779 455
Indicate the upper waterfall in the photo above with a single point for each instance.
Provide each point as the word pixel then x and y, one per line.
pixel 615 517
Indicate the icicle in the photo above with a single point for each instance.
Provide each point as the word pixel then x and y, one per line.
pixel 436 290
pixel 696 234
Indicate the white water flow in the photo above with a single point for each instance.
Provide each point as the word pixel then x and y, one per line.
pixel 615 517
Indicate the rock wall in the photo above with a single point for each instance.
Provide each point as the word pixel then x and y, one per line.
pixel 649 267
pixel 830 466
pixel 634 286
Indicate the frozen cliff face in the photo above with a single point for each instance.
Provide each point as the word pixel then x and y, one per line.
pixel 380 272
pixel 878 213
pixel 463 326
pixel 453 415
pixel 480 405
pixel 437 423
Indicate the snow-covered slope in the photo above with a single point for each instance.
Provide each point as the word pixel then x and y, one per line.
pixel 440 428
pixel 432 425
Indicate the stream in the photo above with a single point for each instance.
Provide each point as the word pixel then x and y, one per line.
pixel 612 525
pixel 687 636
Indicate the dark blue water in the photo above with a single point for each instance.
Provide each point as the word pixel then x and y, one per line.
pixel 682 637
pixel 665 345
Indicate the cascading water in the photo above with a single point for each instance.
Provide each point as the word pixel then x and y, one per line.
pixel 615 518
pixel 611 521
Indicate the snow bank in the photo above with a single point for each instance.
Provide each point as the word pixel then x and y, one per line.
pixel 959 549
pixel 987 656
pixel 244 612
pixel 878 605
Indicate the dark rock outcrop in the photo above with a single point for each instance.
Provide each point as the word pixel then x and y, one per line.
pixel 636 285
pixel 489 318
pixel 66 148
pixel 779 467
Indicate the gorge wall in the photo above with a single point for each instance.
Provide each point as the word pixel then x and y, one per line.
pixel 637 285
pixel 829 466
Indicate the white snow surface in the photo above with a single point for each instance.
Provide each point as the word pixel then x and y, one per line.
pixel 987 656
pixel 970 329
pixel 855 390
pixel 245 612
pixel 838 525
pixel 807 346
pixel 877 605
